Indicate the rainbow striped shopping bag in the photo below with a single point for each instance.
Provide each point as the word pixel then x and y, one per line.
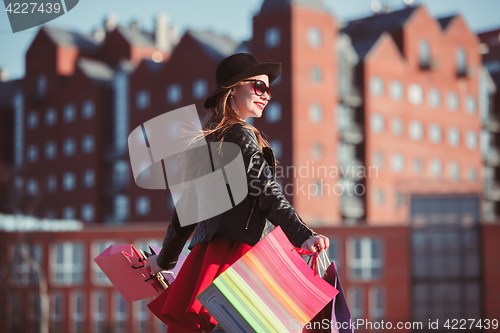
pixel 269 289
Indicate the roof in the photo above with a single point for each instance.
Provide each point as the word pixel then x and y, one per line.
pixel 215 46
pixel 444 21
pixel 72 39
pixel 136 36
pixel 365 32
pixel 269 5
pixel 374 26
pixel 96 70
pixel 8 91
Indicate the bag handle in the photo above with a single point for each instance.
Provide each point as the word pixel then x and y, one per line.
pixel 314 263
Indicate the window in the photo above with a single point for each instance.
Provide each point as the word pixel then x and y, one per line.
pixel 397 162
pixel 314 37
pixel 120 174
pixel 435 133
pixel 453 136
pixel 452 101
pixel 89 178
pixel 397 126
pixel 69 212
pixel 379 197
pixel 434 98
pixel 356 302
pixel 377 123
pixel 461 58
pixel 470 104
pixel 21 271
pixel 377 304
pixel 120 313
pixel 316 74
pixel 200 88
pixel 32 187
pixel 88 109
pixel 50 214
pixel 273 112
pixel 32 153
pixel 415 94
pixel 472 174
pixel 57 308
pixel 35 311
pixel 87 212
pixel 69 147
pixel 424 54
pixel 68 265
pixel 18 130
pixel 69 181
pixel 315 113
pixel 120 207
pixel 366 258
pixel 334 251
pixel 142 205
pixel 51 183
pixel 378 159
pixel 88 143
pixel 32 120
pixel 376 86
pixel 99 307
pixel 41 86
pixel 454 171
pixel 471 140
pixel 142 99
pixel 69 113
pixel 272 37
pixel 98 247
pixel 396 90
pixel 436 168
pixel 400 199
pixel 418 166
pixel 50 150
pixel 121 112
pixel 50 117
pixel 416 130
pixel 276 146
pixel 317 151
pixel 77 311
pixel 446 257
pixel 141 314
pixel 174 93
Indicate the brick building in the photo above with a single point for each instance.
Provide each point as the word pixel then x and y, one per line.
pixel 377 119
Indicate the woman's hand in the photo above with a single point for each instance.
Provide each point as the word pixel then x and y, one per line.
pixel 314 242
pixel 152 265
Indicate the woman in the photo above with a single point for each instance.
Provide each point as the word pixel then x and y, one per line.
pixel 243 91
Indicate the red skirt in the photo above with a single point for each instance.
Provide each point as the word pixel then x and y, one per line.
pixel 177 306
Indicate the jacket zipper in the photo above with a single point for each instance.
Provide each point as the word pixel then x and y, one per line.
pixel 250 216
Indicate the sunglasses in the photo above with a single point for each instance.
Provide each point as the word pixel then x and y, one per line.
pixel 260 88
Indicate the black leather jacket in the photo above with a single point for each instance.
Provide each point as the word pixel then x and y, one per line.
pixel 246 221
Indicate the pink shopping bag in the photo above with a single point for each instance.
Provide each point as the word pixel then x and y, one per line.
pixel 124 267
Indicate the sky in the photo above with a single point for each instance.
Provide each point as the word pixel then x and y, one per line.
pixel 229 17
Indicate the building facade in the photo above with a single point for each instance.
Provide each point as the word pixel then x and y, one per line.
pixel 376 124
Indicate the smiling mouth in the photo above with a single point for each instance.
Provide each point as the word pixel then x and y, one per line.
pixel 260 105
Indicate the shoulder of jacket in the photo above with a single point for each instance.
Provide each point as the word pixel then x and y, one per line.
pixel 240 131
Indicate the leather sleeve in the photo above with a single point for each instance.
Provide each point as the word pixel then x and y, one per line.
pixel 262 185
pixel 174 241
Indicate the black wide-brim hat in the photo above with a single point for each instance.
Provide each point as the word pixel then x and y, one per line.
pixel 238 67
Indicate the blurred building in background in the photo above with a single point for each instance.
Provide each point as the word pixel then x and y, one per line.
pixel 376 123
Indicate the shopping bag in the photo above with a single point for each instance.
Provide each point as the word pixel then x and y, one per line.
pixel 335 317
pixel 269 289
pixel 123 264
